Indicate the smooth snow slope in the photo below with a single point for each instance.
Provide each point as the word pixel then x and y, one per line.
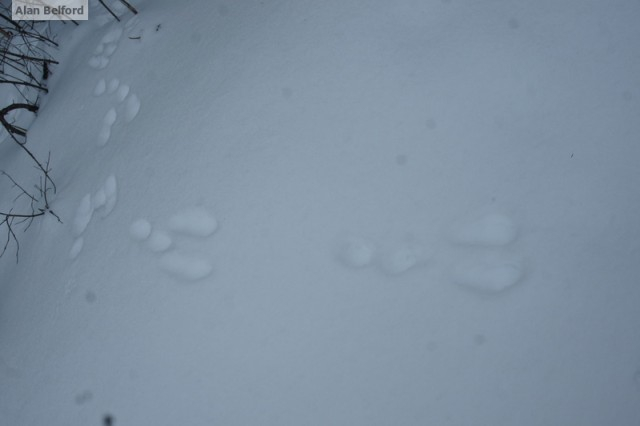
pixel 334 213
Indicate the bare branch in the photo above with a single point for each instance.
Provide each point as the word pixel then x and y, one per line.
pixel 131 8
pixel 109 10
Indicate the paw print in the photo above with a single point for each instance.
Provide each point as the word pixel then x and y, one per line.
pixel 193 223
pixel 490 265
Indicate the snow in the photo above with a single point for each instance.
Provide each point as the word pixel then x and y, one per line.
pixel 100 88
pixel 403 258
pixel 83 215
pixel 356 252
pixel 186 268
pixel 293 212
pixel 489 272
pixel 491 229
pixel 159 241
pixel 110 189
pixel 140 229
pixel 76 248
pixel 196 222
pixel 121 91
pixel 114 84
pixel 131 108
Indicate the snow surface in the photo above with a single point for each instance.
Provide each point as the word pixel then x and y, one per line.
pixel 140 229
pixel 332 213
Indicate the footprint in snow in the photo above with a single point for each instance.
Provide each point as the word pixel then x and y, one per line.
pixel 112 86
pixel 159 241
pixel 194 222
pixel 107 47
pixel 121 92
pixel 491 267
pixel 101 87
pixel 489 272
pixel 76 248
pixel 102 202
pixel 84 212
pixel 190 268
pixel 488 264
pixel 108 120
pixel 126 102
pixel 359 252
pixel 131 108
pixel 403 257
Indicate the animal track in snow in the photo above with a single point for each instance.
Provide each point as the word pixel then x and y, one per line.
pixel 131 108
pixel 76 248
pixel 107 47
pixel 140 229
pixel 192 222
pixel 122 92
pixel 83 215
pixel 128 110
pixel 100 88
pixel 111 195
pixel 485 261
pixel 159 241
pixel 113 85
pixel 102 202
pixel 196 222
pixel 107 122
pixel 98 62
pixel 360 252
pixel 185 267
pixel 402 258
pixel 490 267
pixel 489 272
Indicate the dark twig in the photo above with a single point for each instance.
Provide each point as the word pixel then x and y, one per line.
pixel 131 8
pixel 109 10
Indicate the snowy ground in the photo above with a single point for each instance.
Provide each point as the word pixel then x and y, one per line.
pixel 333 213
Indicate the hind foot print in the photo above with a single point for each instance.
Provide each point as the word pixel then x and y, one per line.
pixel 140 230
pixel 131 108
pixel 111 195
pixel 122 92
pixel 99 199
pixel 100 88
pixel 356 252
pixel 489 230
pixel 489 273
pixel 98 62
pixel 186 268
pixel 105 133
pixel 403 258
pixel 195 222
pixel 83 216
pixel 76 248
pixel 113 85
pixel 159 241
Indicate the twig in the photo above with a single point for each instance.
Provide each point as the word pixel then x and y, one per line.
pixel 131 8
pixel 110 11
